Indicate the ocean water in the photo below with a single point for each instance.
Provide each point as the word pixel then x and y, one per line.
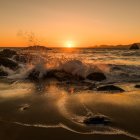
pixel 50 104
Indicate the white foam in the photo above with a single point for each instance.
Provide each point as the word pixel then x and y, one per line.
pixel 8 70
pixel 109 131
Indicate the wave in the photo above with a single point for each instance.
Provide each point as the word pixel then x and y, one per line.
pixel 44 62
pixel 114 73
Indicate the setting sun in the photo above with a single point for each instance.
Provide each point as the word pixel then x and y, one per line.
pixel 70 44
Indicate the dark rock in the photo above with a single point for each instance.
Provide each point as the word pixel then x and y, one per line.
pixel 116 68
pixel 3 73
pixel 137 86
pixel 8 63
pixel 63 76
pixel 54 74
pixel 96 76
pixel 21 58
pixel 24 107
pixel 110 88
pixel 97 120
pixel 50 74
pixel 38 47
pixel 134 47
pixel 35 75
pixel 124 74
pixel 92 87
pixel 8 53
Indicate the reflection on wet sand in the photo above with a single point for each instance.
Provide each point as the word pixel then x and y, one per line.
pixel 22 104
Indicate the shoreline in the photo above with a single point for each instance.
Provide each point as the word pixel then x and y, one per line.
pixel 16 132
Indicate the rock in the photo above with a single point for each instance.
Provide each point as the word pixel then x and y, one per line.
pixel 8 63
pixel 36 75
pixel 134 47
pixel 53 74
pixel 8 53
pixel 116 68
pixel 110 88
pixel 92 87
pixel 3 73
pixel 97 120
pixel 24 107
pixel 21 58
pixel 62 76
pixel 96 76
pixel 37 47
pixel 137 86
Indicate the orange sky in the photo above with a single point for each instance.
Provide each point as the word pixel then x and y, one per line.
pixel 83 22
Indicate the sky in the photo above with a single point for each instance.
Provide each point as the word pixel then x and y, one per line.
pixel 81 23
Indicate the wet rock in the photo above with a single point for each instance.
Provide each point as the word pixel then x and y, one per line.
pixel 8 63
pixel 97 120
pixel 96 76
pixel 21 58
pixel 62 76
pixel 110 88
pixel 124 75
pixel 137 86
pixel 36 75
pixel 3 73
pixel 92 87
pixel 24 107
pixel 116 68
pixel 53 74
pixel 134 47
pixel 8 53
pixel 38 47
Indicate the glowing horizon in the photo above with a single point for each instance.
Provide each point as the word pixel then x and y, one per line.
pixel 84 22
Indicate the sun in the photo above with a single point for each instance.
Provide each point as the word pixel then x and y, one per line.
pixel 69 44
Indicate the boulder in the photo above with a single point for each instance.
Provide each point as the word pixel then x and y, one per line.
pixel 92 87
pixel 110 88
pixel 21 58
pixel 8 53
pixel 36 75
pixel 134 47
pixel 53 74
pixel 96 76
pixel 8 63
pixel 62 76
pixel 3 73
pixel 37 47
pixel 137 86
pixel 24 107
pixel 97 120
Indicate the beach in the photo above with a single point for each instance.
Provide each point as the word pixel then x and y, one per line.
pixel 57 105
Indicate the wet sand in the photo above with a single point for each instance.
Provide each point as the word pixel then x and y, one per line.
pixel 26 113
